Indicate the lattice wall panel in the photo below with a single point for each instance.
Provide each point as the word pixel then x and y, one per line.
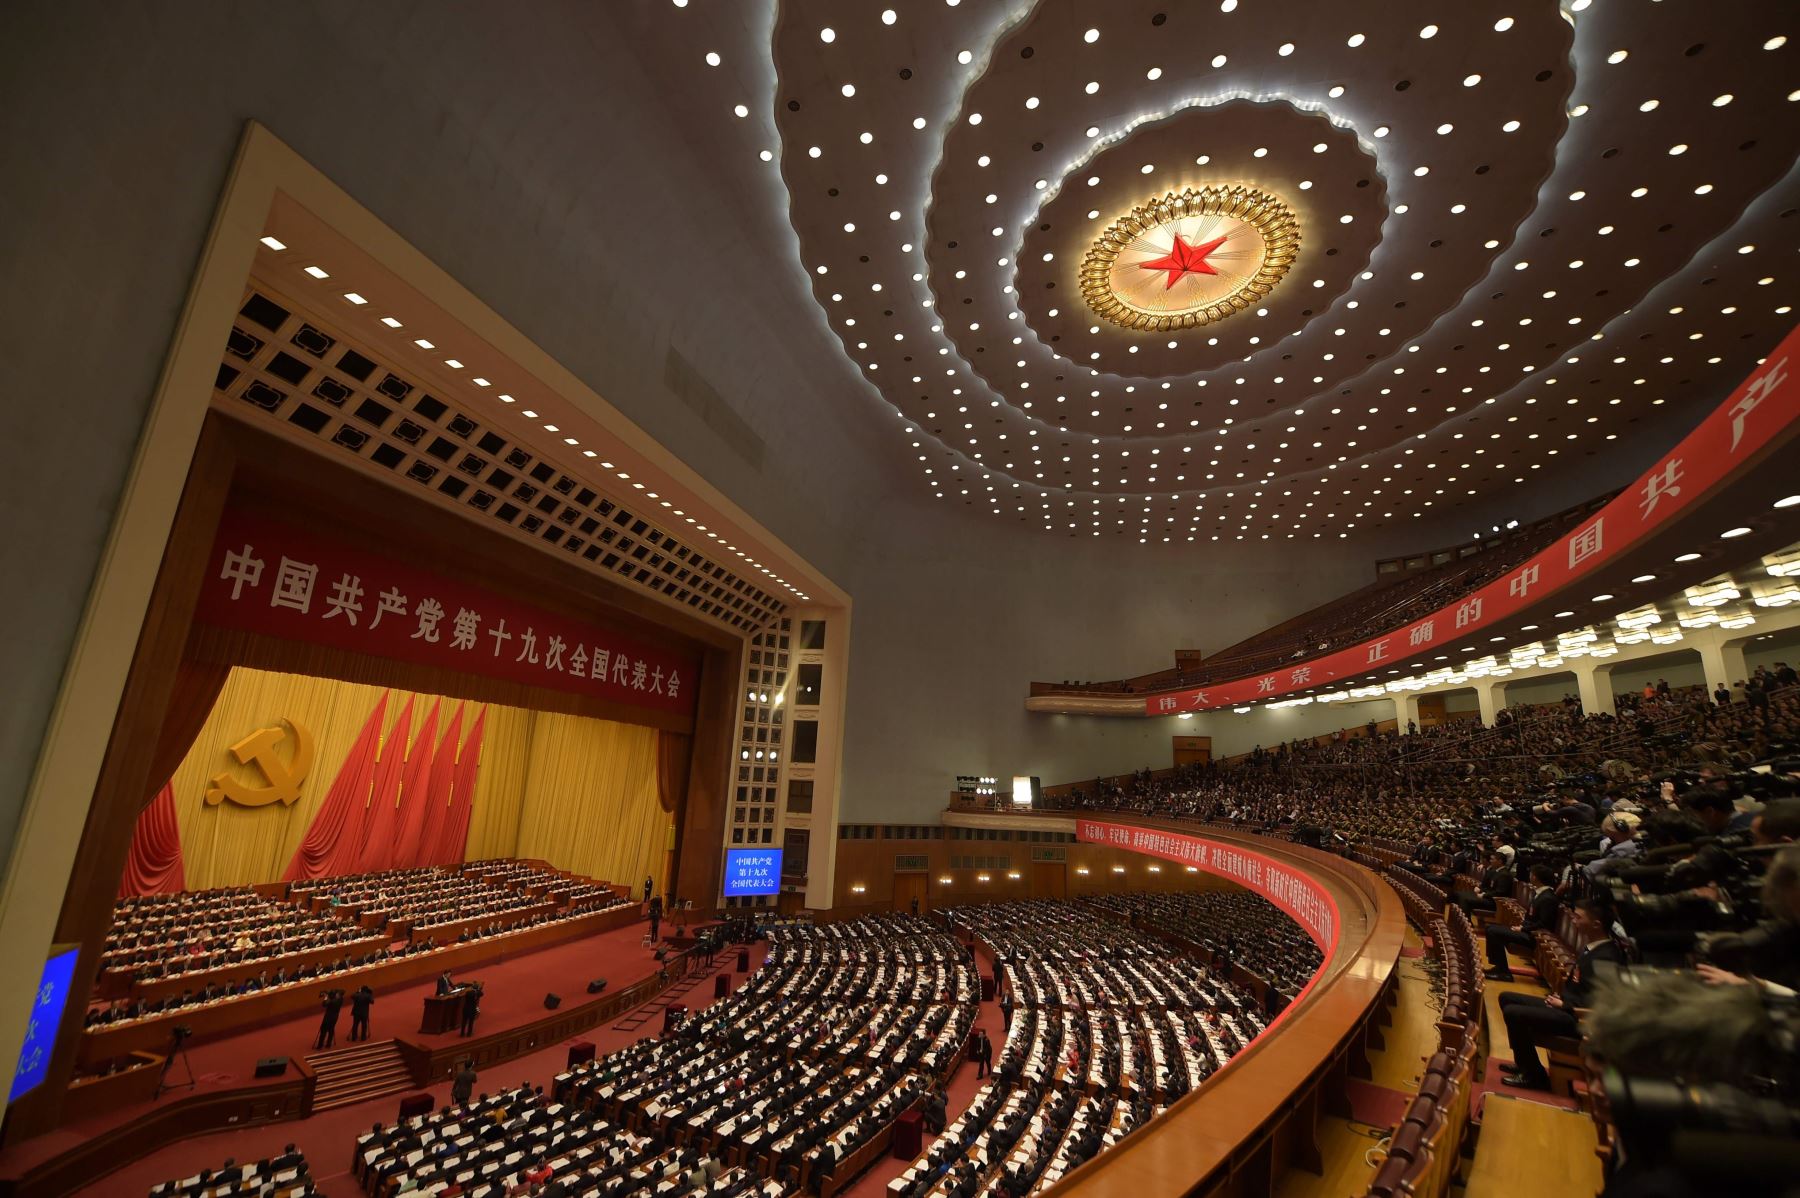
pixel 281 365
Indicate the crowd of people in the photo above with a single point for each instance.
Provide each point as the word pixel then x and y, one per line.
pixel 172 935
pixel 1106 1026
pixel 844 1027
pixel 423 898
pixel 211 936
pixel 285 1175
pixel 1233 928
pixel 1392 787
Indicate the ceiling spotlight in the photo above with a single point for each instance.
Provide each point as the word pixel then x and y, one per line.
pixel 1731 533
pixel 273 244
pixel 1688 557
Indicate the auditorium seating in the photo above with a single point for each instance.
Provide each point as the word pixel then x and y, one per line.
pixel 221 945
pixel 1109 1025
pixel 283 1176
pixel 197 932
pixel 1242 928
pixel 1387 790
pixel 800 1074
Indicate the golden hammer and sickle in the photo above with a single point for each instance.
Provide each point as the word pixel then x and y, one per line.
pixel 284 777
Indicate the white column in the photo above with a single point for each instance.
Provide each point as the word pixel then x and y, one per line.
pixel 1593 682
pixel 1490 696
pixel 1723 662
pixel 1406 711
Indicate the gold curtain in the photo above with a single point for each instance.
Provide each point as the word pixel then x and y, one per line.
pixel 590 799
pixel 229 845
pixel 581 793
pixel 500 786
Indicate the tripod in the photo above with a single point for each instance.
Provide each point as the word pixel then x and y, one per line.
pixel 166 1082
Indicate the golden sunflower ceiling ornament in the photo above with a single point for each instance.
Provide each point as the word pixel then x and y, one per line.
pixel 1190 258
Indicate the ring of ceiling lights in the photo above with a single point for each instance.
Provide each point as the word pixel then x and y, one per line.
pixel 1190 258
pixel 1538 173
pixel 1267 143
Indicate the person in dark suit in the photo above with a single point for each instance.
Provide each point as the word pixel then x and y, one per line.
pixel 1541 916
pixel 648 886
pixel 1496 881
pixel 444 984
pixel 360 1002
pixel 656 914
pixel 983 1053
pixel 1531 1019
pixel 471 1007
pixel 463 1084
pixel 331 1002
pixel 228 1174
pixel 288 1159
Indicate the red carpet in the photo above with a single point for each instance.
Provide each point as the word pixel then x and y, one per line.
pixel 963 1087
pixel 326 1138
pixel 515 995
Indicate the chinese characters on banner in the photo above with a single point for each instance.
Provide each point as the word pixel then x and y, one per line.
pixel 1759 413
pixel 752 871
pixel 278 580
pixel 1310 904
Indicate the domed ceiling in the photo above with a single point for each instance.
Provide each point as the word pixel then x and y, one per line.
pixel 1261 268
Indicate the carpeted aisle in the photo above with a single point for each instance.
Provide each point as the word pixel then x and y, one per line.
pixel 326 1138
pixel 962 1090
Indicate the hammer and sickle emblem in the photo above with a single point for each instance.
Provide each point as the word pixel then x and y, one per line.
pixel 284 777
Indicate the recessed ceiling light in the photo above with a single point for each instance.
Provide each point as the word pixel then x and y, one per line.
pixel 1688 557
pixel 424 344
pixel 1739 531
pixel 1503 24
pixel 390 322
pixel 316 273
pixel 1790 501
pixel 1429 32
pixel 453 364
pixel 1091 36
pixel 1602 598
pixel 741 110
pixel 712 58
pixel 273 244
pixel 1645 578
pixel 355 298
pixel 828 35
pixel 889 16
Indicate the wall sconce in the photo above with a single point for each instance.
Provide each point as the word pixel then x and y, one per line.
pixel 981 877
pixel 857 888
pixel 1193 869
pixel 1156 869
pixel 1014 874
pixel 944 881
pixel 1118 869
pixel 1082 870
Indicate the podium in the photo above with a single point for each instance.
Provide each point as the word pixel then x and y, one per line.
pixel 443 1013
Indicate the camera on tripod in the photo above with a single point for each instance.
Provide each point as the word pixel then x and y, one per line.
pixel 180 1033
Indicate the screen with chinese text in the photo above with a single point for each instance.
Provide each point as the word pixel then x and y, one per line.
pixel 752 871
pixel 46 1015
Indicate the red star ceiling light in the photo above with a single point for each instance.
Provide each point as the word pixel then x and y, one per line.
pixel 1190 258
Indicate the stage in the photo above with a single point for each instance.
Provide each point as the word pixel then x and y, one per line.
pixel 515 990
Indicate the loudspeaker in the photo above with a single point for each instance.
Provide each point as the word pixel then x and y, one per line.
pixel 597 985
pixel 271 1067
pixel 552 1001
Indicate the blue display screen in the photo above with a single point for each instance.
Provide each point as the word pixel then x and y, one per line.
pixel 46 1017
pixel 752 871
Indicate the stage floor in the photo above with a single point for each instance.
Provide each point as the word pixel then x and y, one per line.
pixel 515 990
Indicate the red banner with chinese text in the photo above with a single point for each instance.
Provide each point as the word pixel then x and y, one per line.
pixel 1760 410
pixel 279 580
pixel 1308 903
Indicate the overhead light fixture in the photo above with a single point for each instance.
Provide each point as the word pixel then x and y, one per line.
pixel 1731 533
pixel 317 272
pixel 355 298
pixel 1712 594
pixel 273 244
pixel 1687 557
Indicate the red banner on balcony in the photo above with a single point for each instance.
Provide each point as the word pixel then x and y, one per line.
pixel 1309 903
pixel 278 580
pixel 1759 413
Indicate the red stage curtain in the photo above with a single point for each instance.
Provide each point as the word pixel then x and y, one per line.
pixel 455 840
pixel 419 843
pixel 384 799
pixel 191 699
pixel 335 836
pixel 671 769
pixel 154 864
